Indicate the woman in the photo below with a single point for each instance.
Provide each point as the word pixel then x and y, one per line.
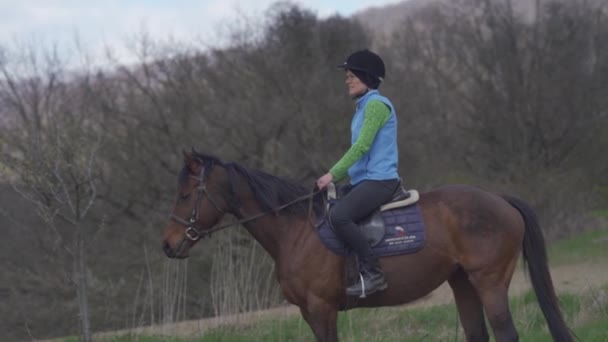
pixel 371 163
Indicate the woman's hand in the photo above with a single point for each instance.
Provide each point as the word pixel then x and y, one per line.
pixel 324 180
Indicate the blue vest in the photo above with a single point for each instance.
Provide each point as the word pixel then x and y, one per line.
pixel 380 162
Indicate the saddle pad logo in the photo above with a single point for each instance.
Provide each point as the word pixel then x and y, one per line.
pixel 400 237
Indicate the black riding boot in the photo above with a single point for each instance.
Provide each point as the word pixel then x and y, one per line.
pixel 371 279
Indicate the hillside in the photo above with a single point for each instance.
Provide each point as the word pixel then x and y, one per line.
pixel 381 21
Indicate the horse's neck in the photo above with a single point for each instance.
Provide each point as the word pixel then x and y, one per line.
pixel 276 233
pixel 269 232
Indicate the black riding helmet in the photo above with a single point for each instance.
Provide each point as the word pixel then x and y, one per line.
pixel 367 66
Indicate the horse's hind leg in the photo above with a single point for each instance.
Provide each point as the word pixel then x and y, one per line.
pixel 470 309
pixel 496 304
pixel 493 291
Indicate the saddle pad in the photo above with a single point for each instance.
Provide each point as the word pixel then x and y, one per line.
pixel 404 233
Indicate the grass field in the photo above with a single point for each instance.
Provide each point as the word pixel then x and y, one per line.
pixel 585 308
pixel 588 247
pixel 586 313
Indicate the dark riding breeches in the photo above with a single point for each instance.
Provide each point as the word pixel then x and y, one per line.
pixel 361 200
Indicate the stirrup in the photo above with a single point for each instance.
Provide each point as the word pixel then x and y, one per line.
pixel 362 295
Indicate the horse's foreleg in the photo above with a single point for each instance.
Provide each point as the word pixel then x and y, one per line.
pixel 322 316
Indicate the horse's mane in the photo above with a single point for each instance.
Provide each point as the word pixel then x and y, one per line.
pixel 270 191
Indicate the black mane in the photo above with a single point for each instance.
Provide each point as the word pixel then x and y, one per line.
pixel 270 191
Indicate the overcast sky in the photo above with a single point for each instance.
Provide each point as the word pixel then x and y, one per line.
pixel 113 22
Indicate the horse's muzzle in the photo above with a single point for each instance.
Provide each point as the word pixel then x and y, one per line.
pixel 171 253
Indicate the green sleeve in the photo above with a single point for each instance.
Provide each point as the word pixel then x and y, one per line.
pixel 376 114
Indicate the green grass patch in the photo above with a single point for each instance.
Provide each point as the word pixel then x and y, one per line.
pixel 600 213
pixel 589 246
pixel 143 338
pixel 586 314
pixel 359 325
pixel 590 332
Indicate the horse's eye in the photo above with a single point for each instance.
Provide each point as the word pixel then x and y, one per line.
pixel 184 196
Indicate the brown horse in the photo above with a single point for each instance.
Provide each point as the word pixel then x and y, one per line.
pixel 474 239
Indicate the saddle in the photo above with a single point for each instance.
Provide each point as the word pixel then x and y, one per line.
pixel 395 228
pixel 374 226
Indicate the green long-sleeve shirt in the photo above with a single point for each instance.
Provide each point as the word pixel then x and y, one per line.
pixel 376 114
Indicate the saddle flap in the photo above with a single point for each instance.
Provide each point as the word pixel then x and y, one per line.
pixel 372 227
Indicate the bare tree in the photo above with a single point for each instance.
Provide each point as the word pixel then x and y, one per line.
pixel 510 101
pixel 54 153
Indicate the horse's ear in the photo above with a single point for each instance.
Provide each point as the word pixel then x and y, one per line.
pixel 187 157
pixel 193 163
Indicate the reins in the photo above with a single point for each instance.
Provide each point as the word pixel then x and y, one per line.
pixel 193 234
pixel 264 213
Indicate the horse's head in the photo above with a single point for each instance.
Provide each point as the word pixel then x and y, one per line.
pixel 202 199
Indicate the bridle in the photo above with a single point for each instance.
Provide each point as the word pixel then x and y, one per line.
pixel 194 234
pixel 191 232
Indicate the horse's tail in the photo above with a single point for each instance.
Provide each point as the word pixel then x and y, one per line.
pixel 535 256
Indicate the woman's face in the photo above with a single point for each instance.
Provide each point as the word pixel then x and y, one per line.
pixel 355 86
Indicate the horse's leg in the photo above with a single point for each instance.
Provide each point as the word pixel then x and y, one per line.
pixel 469 306
pixel 496 304
pixel 322 317
pixel 492 285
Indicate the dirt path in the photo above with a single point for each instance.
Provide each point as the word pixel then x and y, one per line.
pixel 567 278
